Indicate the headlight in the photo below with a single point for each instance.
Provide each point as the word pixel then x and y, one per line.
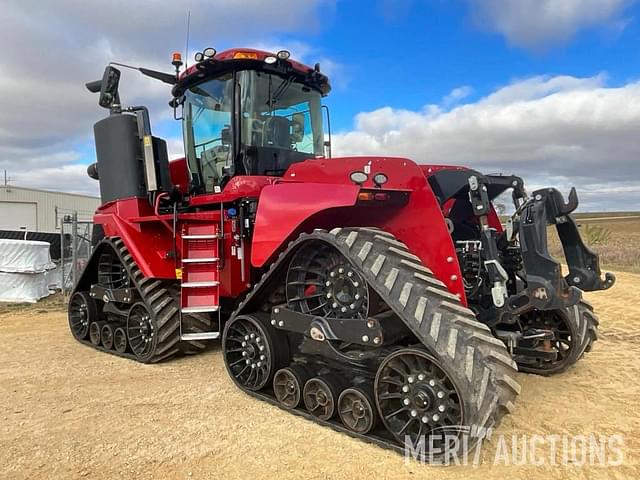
pixel 283 54
pixel 270 59
pixel 209 52
pixel 380 179
pixel 358 177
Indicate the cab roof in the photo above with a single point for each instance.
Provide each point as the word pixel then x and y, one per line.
pixel 236 59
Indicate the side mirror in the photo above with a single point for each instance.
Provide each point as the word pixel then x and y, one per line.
pixel 109 87
pixel 297 127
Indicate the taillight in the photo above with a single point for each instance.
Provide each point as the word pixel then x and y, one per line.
pixel 369 196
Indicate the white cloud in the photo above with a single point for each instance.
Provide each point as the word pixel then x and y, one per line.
pixel 457 94
pixel 550 130
pixel 70 178
pixel 536 24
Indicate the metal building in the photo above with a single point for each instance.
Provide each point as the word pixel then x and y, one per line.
pixel 34 210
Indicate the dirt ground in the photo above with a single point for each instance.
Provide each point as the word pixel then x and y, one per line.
pixel 70 412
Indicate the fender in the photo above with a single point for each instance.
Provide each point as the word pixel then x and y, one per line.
pixel 143 233
pixel 288 209
pixel 285 206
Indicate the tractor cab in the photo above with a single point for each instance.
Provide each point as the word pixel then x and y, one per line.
pixel 248 113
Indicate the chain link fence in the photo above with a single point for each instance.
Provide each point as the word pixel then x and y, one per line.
pixel 76 229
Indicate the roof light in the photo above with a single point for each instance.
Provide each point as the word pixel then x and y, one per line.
pixel 245 55
pixel 209 52
pixel 176 59
pixel 198 57
pixel 358 177
pixel 283 54
pixel 270 59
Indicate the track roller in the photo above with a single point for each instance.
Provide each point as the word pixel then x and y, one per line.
pixel 320 396
pixel 120 340
pixel 95 329
pixel 287 385
pixel 82 311
pixel 106 336
pixel 357 410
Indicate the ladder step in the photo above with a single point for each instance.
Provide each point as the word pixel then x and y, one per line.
pixel 200 260
pixel 200 336
pixel 200 309
pixel 200 284
pixel 200 237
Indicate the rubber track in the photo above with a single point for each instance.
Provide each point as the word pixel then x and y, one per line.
pixel 160 298
pixel 480 364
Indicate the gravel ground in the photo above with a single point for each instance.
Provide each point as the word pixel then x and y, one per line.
pixel 70 412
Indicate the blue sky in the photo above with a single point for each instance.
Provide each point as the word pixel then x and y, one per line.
pixel 543 88
pixel 428 48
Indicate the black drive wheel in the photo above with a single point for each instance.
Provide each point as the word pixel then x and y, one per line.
pixel 141 332
pixel 120 340
pixel 94 333
pixel 416 397
pixel 106 336
pixel 322 282
pixel 356 410
pixel 252 351
pixel 320 397
pixel 82 311
pixel 287 385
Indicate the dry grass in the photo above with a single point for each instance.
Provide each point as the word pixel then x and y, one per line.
pixel 615 238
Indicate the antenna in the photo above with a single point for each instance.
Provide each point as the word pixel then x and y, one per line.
pixel 186 46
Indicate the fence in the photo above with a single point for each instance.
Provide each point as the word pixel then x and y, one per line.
pixel 76 228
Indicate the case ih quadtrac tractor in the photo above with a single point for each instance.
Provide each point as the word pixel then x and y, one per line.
pixel 371 294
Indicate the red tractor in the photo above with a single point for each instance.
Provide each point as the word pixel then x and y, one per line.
pixel 371 294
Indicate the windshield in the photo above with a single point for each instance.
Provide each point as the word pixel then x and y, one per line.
pixel 279 122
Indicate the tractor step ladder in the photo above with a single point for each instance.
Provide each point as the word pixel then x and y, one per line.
pixel 199 291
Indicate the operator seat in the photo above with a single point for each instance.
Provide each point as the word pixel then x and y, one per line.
pixel 214 160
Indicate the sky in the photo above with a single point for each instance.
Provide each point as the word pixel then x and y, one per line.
pixel 545 89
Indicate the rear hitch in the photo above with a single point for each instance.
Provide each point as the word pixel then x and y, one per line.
pixel 547 207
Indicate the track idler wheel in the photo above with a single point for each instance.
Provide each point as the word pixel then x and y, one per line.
pixel 287 385
pixel 141 331
pixel 106 336
pixel 120 340
pixel 571 328
pixel 416 396
pixel 321 396
pixel 357 410
pixel 253 351
pixel 82 311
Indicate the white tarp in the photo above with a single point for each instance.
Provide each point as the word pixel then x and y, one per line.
pixel 26 271
pixel 24 287
pixel 25 256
